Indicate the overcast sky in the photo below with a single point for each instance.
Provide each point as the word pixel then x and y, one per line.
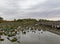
pixel 44 9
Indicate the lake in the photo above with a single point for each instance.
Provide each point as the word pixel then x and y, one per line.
pixel 33 37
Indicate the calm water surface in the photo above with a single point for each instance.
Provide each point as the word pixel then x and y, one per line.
pixel 34 37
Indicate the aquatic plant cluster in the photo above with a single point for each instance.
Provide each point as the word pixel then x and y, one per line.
pixel 12 33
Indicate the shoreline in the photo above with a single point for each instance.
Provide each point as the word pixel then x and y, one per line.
pixel 53 31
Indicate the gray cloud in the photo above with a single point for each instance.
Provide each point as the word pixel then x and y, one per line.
pixel 10 9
